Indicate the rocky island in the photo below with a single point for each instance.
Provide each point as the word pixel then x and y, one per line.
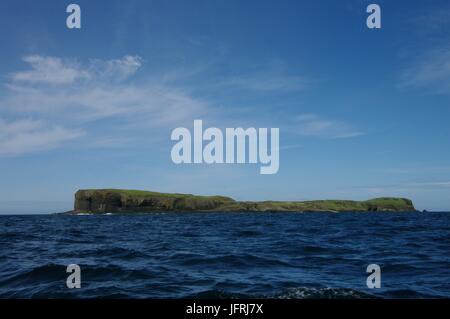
pixel 102 201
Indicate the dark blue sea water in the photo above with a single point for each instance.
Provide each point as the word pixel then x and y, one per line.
pixel 230 255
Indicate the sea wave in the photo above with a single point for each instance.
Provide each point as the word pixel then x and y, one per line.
pixel 218 255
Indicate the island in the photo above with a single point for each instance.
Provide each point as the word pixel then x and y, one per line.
pixel 103 201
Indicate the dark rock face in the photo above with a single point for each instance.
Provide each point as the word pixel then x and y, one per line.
pixel 103 201
pixel 96 202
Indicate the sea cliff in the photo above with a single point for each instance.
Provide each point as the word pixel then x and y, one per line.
pixel 101 201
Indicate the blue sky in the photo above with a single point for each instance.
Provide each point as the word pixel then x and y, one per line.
pixel 362 113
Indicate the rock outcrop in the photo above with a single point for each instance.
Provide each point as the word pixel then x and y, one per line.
pixel 100 201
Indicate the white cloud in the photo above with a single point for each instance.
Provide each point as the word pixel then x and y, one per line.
pixel 434 22
pixel 98 92
pixel 267 82
pixel 314 125
pixel 116 69
pixel 49 70
pixel 272 76
pixel 443 184
pixel 156 104
pixel 58 71
pixel 60 93
pixel 432 71
pixel 27 136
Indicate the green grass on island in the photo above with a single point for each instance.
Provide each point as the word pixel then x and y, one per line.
pixel 129 201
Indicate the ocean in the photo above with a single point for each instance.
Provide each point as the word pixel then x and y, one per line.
pixel 226 255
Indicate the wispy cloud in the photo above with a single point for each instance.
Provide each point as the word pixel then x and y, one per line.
pixel 434 22
pixel 95 91
pixel 314 125
pixel 433 184
pixel 116 69
pixel 28 136
pixel 267 82
pixel 49 70
pixel 273 76
pixel 158 104
pixel 431 71
pixel 402 188
pixel 60 93
pixel 58 71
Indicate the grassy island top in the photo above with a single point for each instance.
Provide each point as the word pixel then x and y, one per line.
pixel 142 194
pixel 122 200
